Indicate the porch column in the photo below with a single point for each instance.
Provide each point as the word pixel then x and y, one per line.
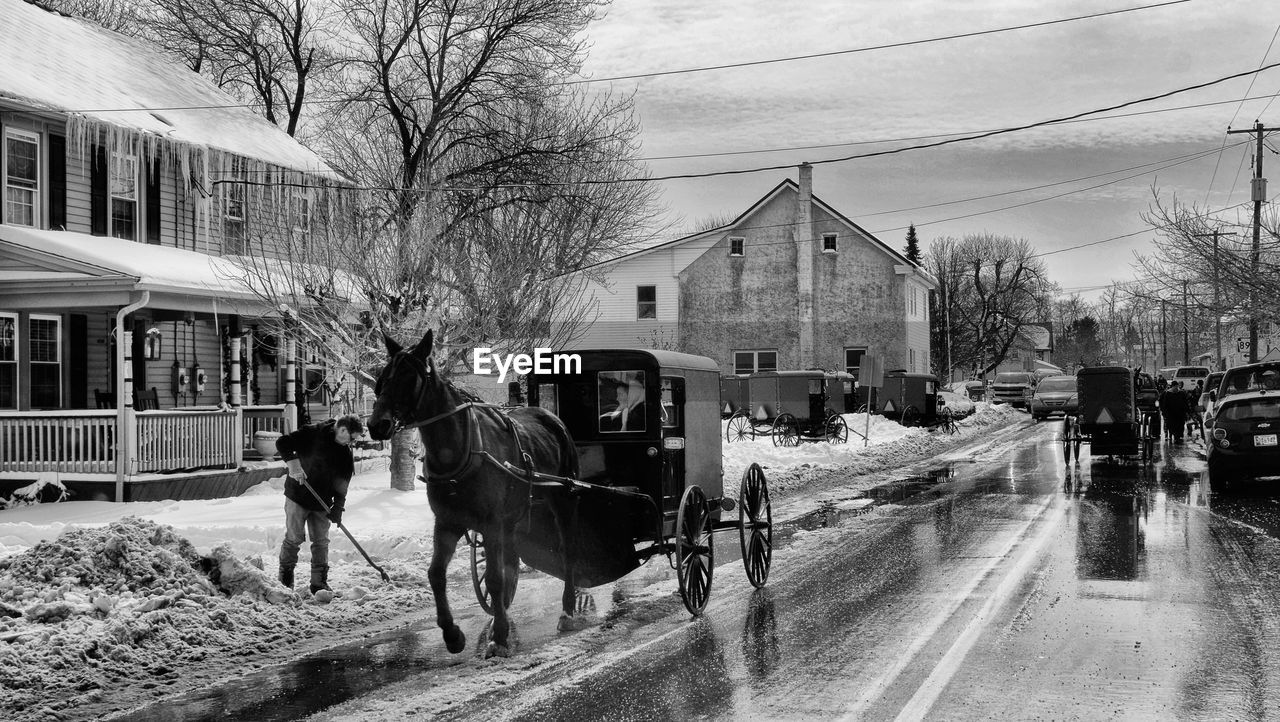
pixel 290 408
pixel 235 372
pixel 128 450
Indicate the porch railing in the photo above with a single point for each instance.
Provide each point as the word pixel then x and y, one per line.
pixel 172 440
pixel 262 418
pixel 74 442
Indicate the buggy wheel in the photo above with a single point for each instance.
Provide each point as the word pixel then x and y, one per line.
pixel 837 429
pixel 948 421
pixel 478 566
pixel 1068 431
pixel 910 416
pixel 739 429
pixel 755 525
pixel 695 555
pixel 786 431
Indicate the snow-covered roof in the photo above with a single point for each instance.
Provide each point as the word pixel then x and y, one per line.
pixel 52 62
pixel 71 262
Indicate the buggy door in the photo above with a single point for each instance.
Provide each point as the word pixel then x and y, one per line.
pixel 817 400
pixel 671 416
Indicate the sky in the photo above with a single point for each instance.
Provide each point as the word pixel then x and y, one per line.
pixel 1059 187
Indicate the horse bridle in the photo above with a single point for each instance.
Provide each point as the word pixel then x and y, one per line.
pixel 468 456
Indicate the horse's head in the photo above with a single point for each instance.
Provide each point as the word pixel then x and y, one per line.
pixel 407 388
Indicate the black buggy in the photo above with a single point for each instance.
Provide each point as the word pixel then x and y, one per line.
pixel 790 407
pixel 646 425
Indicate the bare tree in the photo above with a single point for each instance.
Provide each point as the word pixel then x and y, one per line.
pixel 268 53
pixel 993 289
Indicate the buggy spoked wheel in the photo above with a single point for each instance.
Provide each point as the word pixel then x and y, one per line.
pixel 786 431
pixel 695 555
pixel 910 416
pixel 837 429
pixel 755 525
pixel 948 421
pixel 740 428
pixel 479 564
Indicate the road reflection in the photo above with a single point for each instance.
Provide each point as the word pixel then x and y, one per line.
pixel 760 649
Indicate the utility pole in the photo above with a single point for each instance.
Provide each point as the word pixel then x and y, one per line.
pixel 1217 308
pixel 1259 193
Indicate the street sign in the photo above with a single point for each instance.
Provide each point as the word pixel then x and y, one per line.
pixel 871 370
pixel 1242 345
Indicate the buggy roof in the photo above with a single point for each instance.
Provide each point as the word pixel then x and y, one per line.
pixel 593 358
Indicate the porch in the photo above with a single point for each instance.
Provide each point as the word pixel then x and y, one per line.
pixel 130 455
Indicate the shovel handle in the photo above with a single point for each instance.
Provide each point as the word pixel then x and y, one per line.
pixel 355 543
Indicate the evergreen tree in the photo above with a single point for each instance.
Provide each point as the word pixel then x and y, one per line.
pixel 912 250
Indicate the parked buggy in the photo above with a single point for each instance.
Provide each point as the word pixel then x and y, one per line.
pixel 792 406
pixel 1116 417
pixel 911 399
pixel 734 396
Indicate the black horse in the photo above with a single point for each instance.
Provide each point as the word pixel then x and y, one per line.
pixel 481 469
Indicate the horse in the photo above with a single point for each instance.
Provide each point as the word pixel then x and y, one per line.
pixel 481 467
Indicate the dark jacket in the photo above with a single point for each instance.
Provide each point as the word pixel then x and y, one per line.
pixel 329 466
pixel 1173 404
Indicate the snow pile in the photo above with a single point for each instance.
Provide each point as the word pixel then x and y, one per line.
pixel 889 445
pixel 132 604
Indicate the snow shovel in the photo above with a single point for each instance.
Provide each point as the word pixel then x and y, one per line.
pixel 359 548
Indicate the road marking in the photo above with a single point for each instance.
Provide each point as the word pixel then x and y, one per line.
pixel 967 638
pixel 927 694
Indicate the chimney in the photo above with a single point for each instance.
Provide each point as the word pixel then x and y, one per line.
pixel 803 234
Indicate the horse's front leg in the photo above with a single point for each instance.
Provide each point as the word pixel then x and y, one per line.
pixel 498 554
pixel 444 544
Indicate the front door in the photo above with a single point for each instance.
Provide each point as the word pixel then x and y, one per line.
pixel 671 415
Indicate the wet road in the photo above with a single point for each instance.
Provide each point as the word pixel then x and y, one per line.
pixel 1004 586
pixel 1018 588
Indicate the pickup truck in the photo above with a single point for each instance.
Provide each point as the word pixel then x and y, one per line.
pixel 1014 388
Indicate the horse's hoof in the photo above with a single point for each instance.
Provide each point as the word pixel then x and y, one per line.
pixel 496 650
pixel 454 640
pixel 572 624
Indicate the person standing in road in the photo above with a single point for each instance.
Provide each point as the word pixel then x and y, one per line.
pixel 318 456
pixel 1173 406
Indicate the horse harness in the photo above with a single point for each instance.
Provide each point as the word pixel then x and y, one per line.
pixel 473 452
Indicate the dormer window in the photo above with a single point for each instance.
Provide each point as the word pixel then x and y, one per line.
pixel 21 178
pixel 735 246
pixel 829 243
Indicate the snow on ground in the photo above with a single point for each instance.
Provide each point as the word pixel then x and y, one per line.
pixel 104 606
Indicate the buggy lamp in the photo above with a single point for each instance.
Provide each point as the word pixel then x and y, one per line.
pixel 651 451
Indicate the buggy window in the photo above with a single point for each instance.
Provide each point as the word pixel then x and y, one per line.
pixel 621 401
pixel 547 398
pixel 670 411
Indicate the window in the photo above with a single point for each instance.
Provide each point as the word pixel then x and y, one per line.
pixel 8 360
pixel 299 211
pixel 735 246
pixel 853 360
pixel 46 362
pixel 621 396
pixel 746 362
pixel 911 359
pixel 233 209
pixel 21 177
pixel 646 302
pixel 913 302
pixel 124 196
pixel 829 243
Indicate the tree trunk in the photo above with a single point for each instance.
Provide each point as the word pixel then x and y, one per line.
pixel 404 453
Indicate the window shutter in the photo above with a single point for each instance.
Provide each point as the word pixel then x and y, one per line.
pixel 99 203
pixel 153 202
pixel 57 182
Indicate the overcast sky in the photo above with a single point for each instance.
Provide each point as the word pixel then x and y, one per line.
pixel 956 86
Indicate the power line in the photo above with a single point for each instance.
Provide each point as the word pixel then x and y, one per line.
pixel 886 46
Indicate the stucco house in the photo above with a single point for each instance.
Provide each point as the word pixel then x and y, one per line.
pixel 131 361
pixel 790 283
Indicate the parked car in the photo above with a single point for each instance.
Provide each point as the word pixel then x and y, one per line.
pixel 1204 406
pixel 1013 388
pixel 1188 375
pixel 1243 437
pixel 1055 395
pixel 959 404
